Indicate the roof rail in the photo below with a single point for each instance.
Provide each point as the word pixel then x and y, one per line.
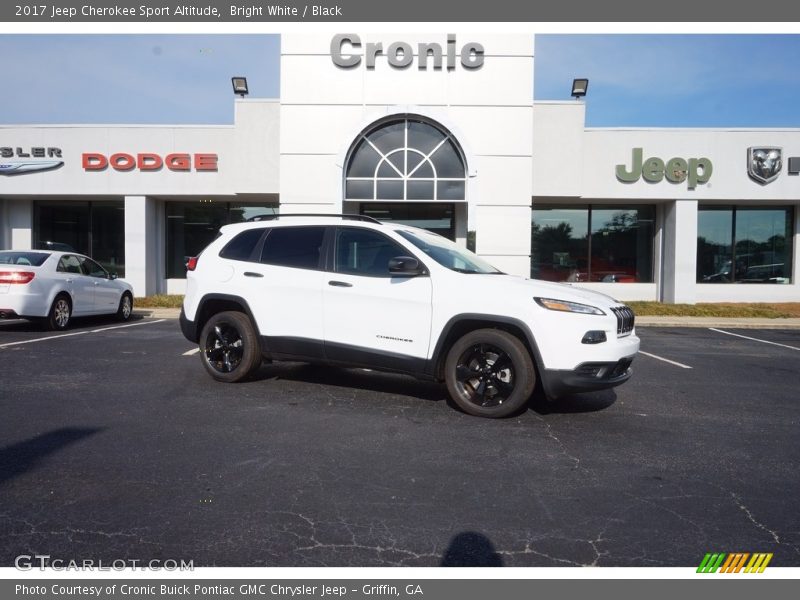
pixel 270 217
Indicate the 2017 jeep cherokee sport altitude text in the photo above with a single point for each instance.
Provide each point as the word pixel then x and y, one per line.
pixel 351 291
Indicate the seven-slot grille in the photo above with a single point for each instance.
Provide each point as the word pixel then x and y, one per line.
pixel 625 318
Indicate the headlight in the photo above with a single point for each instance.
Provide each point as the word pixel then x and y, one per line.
pixel 564 306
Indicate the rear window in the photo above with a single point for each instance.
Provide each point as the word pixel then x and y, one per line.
pixel 25 259
pixel 297 247
pixel 241 247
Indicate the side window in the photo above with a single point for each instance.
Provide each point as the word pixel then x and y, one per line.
pixel 298 247
pixel 241 247
pixel 365 252
pixel 69 264
pixel 92 269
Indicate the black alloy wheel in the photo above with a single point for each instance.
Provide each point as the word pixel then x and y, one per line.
pixel 490 373
pixel 224 348
pixel 485 375
pixel 229 347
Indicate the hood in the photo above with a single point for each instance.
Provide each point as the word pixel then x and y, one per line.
pixel 557 291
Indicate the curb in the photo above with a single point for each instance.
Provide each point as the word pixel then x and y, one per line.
pixel 158 313
pixel 730 323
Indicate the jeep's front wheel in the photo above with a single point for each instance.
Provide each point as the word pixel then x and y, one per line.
pixel 489 373
pixel 229 347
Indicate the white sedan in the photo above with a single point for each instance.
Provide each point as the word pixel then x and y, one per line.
pixel 55 286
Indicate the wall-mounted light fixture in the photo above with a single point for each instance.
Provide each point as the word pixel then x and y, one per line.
pixel 579 87
pixel 240 86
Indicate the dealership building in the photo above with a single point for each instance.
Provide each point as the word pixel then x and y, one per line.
pixel 439 131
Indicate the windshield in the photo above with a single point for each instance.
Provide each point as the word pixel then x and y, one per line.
pixel 447 253
pixel 28 259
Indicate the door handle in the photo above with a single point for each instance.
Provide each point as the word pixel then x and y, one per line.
pixel 251 274
pixel 340 284
pixel 68 280
pixel 97 283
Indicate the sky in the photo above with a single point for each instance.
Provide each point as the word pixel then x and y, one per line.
pixel 675 80
pixel 157 79
pixel 634 80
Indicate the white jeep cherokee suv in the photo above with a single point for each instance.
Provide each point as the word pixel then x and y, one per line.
pixel 352 291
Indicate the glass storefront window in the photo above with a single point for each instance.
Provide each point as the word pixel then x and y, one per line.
pixel 744 245
pixel 593 243
pixel 96 229
pixel 559 242
pixel 622 244
pixel 437 218
pixel 191 226
pixel 108 235
pixel 714 245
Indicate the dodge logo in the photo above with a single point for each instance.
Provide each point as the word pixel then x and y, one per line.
pixel 764 164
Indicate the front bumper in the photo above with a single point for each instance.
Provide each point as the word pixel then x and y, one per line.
pixel 586 377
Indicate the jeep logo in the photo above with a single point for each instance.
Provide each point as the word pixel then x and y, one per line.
pixel 693 171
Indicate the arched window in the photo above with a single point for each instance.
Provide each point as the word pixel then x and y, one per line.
pixel 407 159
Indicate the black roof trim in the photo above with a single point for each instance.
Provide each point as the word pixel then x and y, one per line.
pixel 351 217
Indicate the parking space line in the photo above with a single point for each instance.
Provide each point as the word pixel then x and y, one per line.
pixel 53 337
pixel 191 352
pixel 747 337
pixel 130 325
pixel 666 360
pixel 49 337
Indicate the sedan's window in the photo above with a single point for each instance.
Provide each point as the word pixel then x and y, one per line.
pixel 27 259
pixel 298 247
pixel 92 269
pixel 69 264
pixel 365 252
pixel 241 247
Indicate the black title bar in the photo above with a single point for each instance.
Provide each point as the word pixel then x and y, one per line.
pixel 142 11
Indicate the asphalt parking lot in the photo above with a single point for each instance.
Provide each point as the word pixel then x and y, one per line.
pixel 115 444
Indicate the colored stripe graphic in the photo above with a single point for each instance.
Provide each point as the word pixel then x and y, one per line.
pixel 711 562
pixel 734 562
pixel 758 563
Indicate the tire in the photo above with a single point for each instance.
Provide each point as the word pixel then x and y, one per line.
pixel 60 313
pixel 489 373
pixel 125 309
pixel 229 347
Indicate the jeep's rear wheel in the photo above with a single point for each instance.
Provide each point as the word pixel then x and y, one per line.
pixel 229 347
pixel 489 373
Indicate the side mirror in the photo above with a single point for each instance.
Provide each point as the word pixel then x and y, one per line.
pixel 405 265
pixel 112 276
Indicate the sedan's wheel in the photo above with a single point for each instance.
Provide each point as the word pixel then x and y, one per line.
pixel 229 347
pixel 60 313
pixel 489 373
pixel 125 309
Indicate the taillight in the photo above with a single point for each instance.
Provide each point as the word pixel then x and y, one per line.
pixel 191 264
pixel 16 276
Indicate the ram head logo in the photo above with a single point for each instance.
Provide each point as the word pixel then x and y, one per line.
pixel 764 164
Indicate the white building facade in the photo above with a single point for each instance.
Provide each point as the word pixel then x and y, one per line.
pixel 440 131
